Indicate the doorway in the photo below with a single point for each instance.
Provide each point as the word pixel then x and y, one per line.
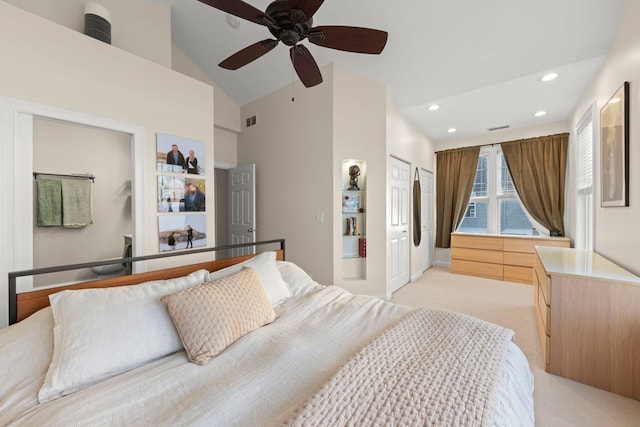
pixel 399 219
pixel 16 205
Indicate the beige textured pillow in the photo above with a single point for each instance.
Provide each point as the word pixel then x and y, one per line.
pixel 211 316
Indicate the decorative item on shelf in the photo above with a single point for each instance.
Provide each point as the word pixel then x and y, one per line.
pixel 354 172
pixel 352 226
pixel 362 247
pixel 351 203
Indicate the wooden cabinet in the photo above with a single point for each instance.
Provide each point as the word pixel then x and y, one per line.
pixel 500 257
pixel 588 317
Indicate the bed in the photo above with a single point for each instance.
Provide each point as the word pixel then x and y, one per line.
pixel 251 341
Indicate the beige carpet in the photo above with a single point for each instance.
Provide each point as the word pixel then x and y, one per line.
pixel 558 401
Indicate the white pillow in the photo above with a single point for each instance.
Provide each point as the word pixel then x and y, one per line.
pixel 99 333
pixel 265 263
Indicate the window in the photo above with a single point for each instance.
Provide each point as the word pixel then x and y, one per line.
pixel 496 206
pixel 584 181
pixel 471 210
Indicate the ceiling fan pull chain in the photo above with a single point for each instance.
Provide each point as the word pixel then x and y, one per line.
pixel 293 77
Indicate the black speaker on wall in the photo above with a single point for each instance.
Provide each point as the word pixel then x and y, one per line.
pixel 96 22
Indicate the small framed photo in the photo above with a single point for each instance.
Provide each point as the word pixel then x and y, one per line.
pixel 179 232
pixel 614 149
pixel 179 155
pixel 181 194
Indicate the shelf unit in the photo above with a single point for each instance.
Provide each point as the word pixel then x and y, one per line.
pixel 354 219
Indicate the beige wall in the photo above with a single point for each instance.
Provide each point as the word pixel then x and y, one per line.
pixel 298 148
pixel 137 26
pixel 291 145
pixel 407 142
pixel 617 234
pixel 359 132
pixel 67 148
pixel 52 65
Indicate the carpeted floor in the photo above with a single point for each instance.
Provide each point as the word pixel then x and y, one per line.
pixel 558 401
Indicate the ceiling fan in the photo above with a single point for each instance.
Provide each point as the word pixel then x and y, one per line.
pixel 290 22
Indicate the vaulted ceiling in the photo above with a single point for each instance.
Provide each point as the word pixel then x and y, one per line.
pixel 480 61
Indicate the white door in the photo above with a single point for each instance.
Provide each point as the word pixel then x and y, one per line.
pixel 242 205
pixel 399 236
pixel 426 243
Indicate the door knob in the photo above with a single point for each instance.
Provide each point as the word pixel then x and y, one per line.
pixel 251 230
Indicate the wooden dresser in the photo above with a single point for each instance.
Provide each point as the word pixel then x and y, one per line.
pixel 499 257
pixel 588 315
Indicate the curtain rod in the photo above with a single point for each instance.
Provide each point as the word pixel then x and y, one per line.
pixel 73 175
pixel 500 143
pixel 469 146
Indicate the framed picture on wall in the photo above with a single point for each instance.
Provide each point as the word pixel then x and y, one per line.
pixel 179 232
pixel 180 155
pixel 614 149
pixel 181 194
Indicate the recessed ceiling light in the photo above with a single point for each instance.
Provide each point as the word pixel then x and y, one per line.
pixel 540 113
pixel 549 77
pixel 434 107
pixel 452 130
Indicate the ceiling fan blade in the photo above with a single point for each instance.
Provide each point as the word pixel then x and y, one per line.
pixel 307 7
pixel 248 54
pixel 241 10
pixel 305 66
pixel 350 39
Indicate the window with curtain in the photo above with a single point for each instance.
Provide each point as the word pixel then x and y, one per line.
pixel 494 206
pixel 584 182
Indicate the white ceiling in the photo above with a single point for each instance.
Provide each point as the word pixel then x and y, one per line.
pixel 480 60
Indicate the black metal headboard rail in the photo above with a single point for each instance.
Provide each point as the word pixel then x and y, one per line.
pixel 13 276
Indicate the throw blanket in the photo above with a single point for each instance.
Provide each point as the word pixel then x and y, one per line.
pixel 432 368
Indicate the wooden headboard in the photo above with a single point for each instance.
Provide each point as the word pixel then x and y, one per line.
pixel 24 304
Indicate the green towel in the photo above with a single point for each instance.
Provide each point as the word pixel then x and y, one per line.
pixel 77 203
pixel 49 196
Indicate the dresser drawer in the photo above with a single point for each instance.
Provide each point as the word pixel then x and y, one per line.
pixel 475 268
pixel 493 257
pixel 543 338
pixel 543 280
pixel 545 312
pixel 518 258
pixel 518 274
pixel 476 242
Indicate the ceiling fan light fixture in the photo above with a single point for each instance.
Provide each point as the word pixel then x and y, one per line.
pixel 549 77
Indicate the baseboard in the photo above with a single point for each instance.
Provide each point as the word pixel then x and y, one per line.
pixel 416 276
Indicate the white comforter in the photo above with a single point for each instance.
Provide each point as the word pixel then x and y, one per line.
pixel 259 380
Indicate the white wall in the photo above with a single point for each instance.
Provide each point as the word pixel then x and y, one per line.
pixel 52 65
pixel 406 141
pixel 291 145
pixel 617 234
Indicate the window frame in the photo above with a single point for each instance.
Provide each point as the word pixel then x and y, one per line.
pixel 585 194
pixel 495 195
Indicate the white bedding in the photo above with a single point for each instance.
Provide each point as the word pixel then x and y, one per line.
pixel 259 380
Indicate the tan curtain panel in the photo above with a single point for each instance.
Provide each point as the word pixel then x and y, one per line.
pixel 455 174
pixel 538 167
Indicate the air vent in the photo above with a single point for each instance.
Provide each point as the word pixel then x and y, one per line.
pixel 498 128
pixel 251 121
